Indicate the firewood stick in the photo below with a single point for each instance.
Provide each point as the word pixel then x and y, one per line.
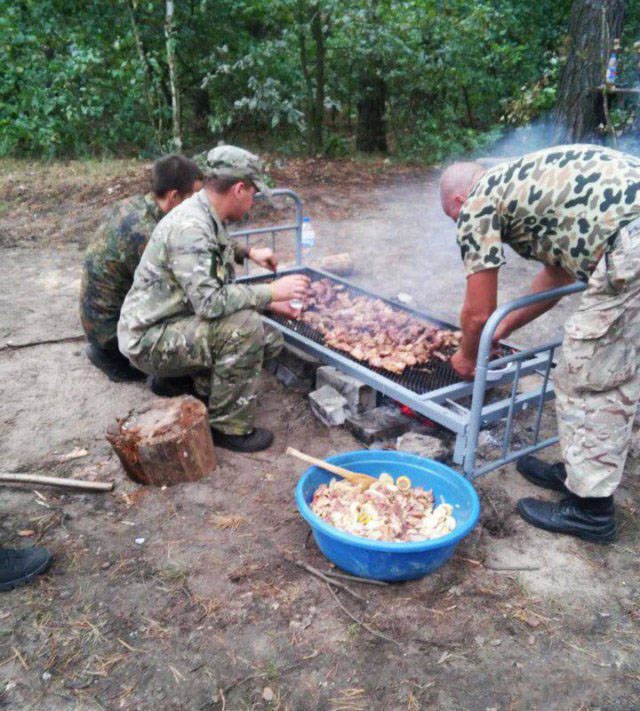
pixel 30 344
pixel 11 478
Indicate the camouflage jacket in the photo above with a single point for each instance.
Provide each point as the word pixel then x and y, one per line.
pixel 561 206
pixel 186 269
pixel 110 262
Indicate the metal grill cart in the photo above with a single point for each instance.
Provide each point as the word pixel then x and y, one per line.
pixel 435 391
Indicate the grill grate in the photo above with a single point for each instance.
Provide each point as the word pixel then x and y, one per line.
pixel 420 380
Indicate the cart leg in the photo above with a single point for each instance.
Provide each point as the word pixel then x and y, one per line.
pixel 460 447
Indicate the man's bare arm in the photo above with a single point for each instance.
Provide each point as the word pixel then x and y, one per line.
pixel 480 302
pixel 548 278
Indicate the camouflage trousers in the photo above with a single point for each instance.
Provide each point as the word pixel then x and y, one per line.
pixel 224 357
pixel 597 381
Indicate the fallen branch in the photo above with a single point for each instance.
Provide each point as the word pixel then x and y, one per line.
pixel 358 621
pixel 488 566
pixel 319 574
pixel 8 346
pixel 355 578
pixel 14 478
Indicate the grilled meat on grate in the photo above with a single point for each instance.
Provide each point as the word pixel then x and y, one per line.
pixel 371 330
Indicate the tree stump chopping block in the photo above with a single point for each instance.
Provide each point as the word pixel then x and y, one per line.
pixel 167 443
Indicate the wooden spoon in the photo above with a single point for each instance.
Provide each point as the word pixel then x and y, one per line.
pixel 363 480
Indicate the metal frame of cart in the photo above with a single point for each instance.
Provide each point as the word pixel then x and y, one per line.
pixel 462 407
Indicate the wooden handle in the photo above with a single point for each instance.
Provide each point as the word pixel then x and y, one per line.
pixel 55 481
pixel 353 477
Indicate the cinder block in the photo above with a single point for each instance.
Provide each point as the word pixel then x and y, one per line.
pixel 423 446
pixel 292 381
pixel 296 369
pixel 360 397
pixel 381 423
pixel 299 362
pixel 328 406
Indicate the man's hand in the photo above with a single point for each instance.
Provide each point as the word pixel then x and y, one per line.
pixel 294 286
pixel 264 257
pixel 502 331
pixel 463 366
pixel 283 308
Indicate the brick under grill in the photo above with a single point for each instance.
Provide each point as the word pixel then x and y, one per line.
pixel 420 379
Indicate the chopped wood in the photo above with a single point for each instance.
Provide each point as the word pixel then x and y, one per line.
pixel 76 453
pixel 340 264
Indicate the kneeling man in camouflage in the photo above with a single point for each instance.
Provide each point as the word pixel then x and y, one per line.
pixel 186 315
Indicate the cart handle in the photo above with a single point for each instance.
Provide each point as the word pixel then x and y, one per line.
pixel 484 353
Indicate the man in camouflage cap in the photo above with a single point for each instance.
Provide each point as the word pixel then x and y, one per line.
pixel 226 161
pixel 186 315
pixel 576 209
pixel 114 253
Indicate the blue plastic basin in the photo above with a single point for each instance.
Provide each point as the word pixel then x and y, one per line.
pixel 382 560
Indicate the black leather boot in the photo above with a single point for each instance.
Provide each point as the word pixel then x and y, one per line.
pixel 548 476
pixel 19 566
pixel 113 364
pixel 171 387
pixel 255 441
pixel 591 519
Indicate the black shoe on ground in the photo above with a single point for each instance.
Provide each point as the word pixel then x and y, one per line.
pixel 171 387
pixel 255 441
pixel 19 566
pixel 114 365
pixel 591 519
pixel 548 476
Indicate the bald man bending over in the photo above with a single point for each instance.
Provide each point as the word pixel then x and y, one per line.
pixel 576 209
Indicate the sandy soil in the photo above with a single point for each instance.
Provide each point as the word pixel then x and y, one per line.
pixel 209 611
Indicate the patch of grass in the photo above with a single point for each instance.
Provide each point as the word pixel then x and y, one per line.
pixel 353 632
pixel 271 671
pixel 173 574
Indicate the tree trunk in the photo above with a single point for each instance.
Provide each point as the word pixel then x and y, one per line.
pixel 593 25
pixel 167 443
pixel 169 32
pixel 317 111
pixel 371 131
pixel 151 91
pixel 313 70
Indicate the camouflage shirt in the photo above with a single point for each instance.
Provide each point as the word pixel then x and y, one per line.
pixel 559 206
pixel 186 269
pixel 110 262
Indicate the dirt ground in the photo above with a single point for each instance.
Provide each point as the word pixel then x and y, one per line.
pixel 188 597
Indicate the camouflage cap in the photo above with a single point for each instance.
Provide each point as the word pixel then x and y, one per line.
pixel 233 162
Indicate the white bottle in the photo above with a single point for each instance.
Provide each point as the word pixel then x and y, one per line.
pixel 308 235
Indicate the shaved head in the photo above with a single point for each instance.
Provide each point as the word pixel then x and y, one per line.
pixel 456 184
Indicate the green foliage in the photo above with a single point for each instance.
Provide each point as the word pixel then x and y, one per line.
pixel 92 78
pixel 535 98
pixel 64 90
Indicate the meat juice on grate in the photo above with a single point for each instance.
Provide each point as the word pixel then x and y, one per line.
pixel 372 331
